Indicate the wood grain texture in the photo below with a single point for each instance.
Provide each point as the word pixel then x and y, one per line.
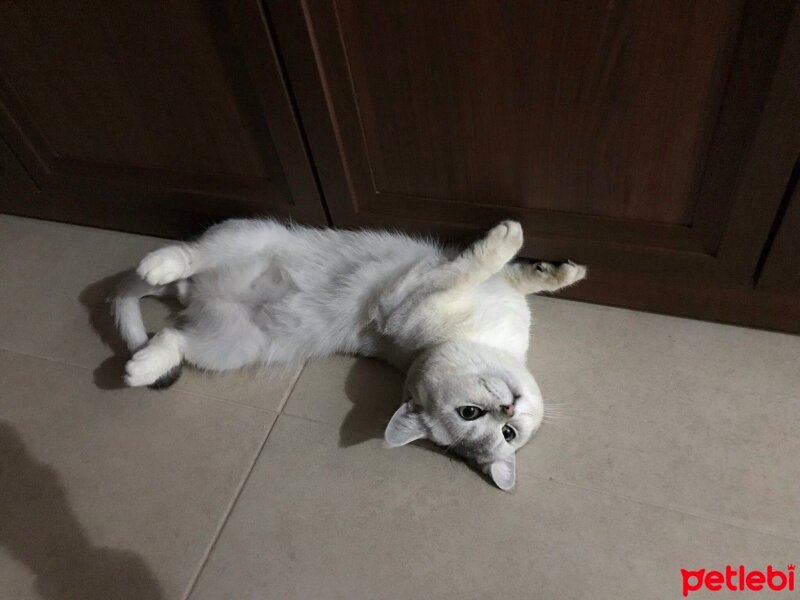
pixel 141 84
pixel 592 107
pixel 179 108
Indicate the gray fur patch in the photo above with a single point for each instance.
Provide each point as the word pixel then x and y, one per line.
pixel 477 450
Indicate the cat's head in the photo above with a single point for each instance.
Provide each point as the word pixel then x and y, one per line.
pixel 480 403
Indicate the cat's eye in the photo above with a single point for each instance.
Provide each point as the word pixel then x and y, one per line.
pixel 470 412
pixel 509 433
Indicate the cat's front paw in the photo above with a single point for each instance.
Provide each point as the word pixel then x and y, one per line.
pixel 165 266
pixel 569 272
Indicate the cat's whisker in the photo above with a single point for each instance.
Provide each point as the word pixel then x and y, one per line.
pixel 548 413
pixel 556 419
pixel 549 410
pixel 558 414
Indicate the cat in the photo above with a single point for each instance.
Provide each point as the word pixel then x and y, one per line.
pixel 457 322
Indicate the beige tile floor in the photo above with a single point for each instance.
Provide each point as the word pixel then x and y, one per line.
pixel 678 447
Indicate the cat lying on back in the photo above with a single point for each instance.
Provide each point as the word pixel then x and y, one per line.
pixel 257 291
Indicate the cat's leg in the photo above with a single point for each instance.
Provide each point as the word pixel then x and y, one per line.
pixel 232 240
pixel 214 335
pixel 158 363
pixel 531 277
pixel 482 259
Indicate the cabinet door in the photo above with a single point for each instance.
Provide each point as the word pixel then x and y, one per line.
pixel 651 140
pixel 150 116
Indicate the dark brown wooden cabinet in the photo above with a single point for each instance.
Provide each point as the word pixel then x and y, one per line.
pixel 152 116
pixel 654 140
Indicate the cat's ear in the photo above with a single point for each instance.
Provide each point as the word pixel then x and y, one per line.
pixel 405 427
pixel 504 472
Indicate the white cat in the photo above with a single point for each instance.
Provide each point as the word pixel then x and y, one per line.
pixel 257 291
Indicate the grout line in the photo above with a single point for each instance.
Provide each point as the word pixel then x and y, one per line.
pixel 232 505
pixel 377 421
pixel 682 511
pixel 290 391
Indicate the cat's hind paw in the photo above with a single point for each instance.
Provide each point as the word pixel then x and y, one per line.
pixel 165 266
pixel 158 361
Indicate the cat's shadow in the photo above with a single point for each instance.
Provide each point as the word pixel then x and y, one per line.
pixel 94 298
pixel 375 389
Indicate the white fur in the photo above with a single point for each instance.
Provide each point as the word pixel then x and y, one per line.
pixel 257 291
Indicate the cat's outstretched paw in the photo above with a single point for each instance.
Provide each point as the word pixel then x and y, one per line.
pixel 502 242
pixel 568 273
pixel 165 266
pixel 532 277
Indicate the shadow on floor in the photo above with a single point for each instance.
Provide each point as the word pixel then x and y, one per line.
pixel 39 529
pixel 376 391
pixel 108 375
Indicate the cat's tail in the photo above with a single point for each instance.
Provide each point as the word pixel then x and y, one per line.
pixel 127 312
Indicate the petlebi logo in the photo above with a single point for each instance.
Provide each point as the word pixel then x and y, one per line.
pixel 739 579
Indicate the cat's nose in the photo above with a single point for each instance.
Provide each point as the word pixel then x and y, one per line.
pixel 508 409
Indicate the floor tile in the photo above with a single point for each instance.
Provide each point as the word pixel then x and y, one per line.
pixel 258 386
pixel 360 393
pixel 747 480
pixel 319 520
pixel 53 285
pixel 579 341
pixel 112 494
pixel 696 416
